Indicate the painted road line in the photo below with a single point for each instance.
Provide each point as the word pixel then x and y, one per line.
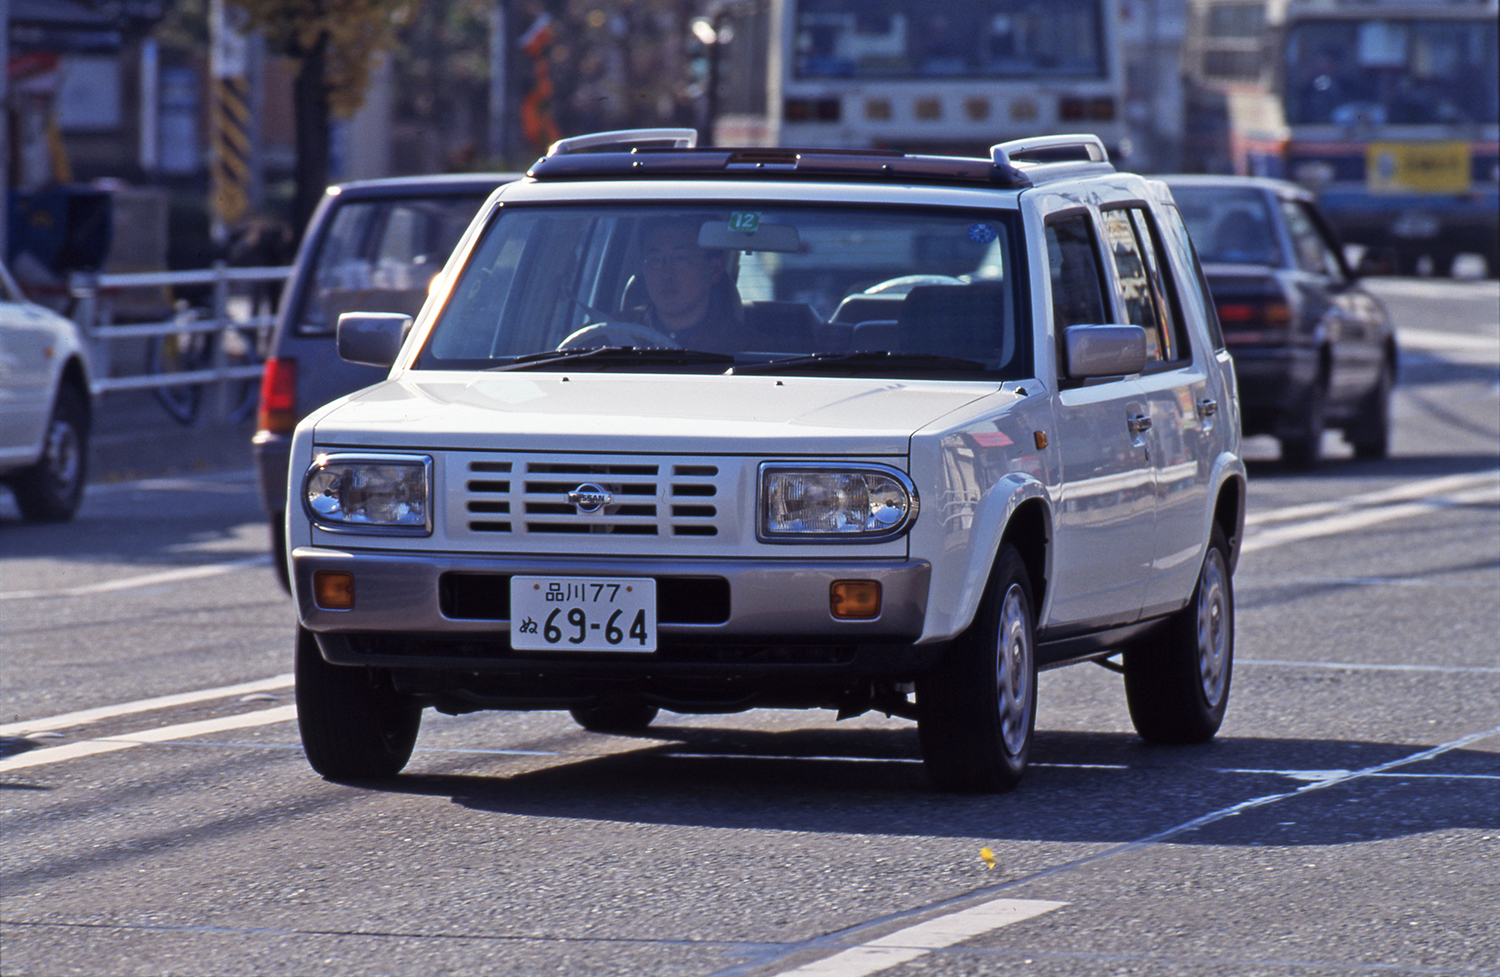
pixel 1406 492
pixel 1349 522
pixel 146 580
pixel 1370 667
pixel 82 717
pixel 906 945
pixel 164 734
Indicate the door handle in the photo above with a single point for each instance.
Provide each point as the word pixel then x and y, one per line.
pixel 1208 408
pixel 1138 423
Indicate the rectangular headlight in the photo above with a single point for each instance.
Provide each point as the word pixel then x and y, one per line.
pixel 858 503
pixel 364 493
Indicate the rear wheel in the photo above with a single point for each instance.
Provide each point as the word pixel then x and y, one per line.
pixel 977 711
pixel 1177 686
pixel 354 725
pixel 1371 433
pixel 615 718
pixel 51 489
pixel 1302 449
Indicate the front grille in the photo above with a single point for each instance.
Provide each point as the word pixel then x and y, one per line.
pixel 646 498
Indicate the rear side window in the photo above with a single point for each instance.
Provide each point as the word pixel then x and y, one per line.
pixel 1314 253
pixel 381 256
pixel 1144 300
pixel 1073 265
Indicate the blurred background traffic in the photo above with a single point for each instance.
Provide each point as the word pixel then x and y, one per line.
pixel 164 160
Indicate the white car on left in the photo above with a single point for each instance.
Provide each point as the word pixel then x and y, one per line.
pixel 45 407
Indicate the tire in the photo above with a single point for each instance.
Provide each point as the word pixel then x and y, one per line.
pixel 976 713
pixel 1371 434
pixel 625 717
pixel 1302 451
pixel 354 725
pixel 1177 686
pixel 278 551
pixel 51 489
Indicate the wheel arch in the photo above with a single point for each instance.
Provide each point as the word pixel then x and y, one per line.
pixel 1029 530
pixel 1229 512
pixel 75 375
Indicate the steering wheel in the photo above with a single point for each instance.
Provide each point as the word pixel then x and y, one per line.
pixel 618 334
pixel 905 283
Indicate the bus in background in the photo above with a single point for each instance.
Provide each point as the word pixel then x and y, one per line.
pixel 942 76
pixel 1388 109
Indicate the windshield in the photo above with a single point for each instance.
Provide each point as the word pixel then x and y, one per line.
pixel 1398 72
pixel 948 39
pixel 1228 225
pixel 380 255
pixel 737 286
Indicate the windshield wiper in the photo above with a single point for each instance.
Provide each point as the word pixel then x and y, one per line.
pixel 606 356
pixel 873 360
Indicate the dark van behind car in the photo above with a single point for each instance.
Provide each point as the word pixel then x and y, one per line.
pixel 371 246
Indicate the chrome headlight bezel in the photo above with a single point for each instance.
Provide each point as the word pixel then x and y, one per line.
pixel 418 466
pixel 870 528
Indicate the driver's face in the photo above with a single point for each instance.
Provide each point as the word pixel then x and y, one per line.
pixel 679 274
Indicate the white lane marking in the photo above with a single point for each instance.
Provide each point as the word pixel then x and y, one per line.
pixel 163 734
pixel 1313 776
pixel 1462 341
pixel 1349 522
pixel 1405 492
pixel 1370 667
pixel 223 482
pixel 908 944
pixel 144 580
pixel 1334 778
pixel 85 716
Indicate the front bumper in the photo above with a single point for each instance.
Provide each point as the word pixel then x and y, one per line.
pixel 444 595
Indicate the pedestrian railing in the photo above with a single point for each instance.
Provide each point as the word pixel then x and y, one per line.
pixel 215 349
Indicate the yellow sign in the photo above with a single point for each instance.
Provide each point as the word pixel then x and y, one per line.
pixel 1424 167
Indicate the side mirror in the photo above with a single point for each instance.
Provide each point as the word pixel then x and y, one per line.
pixel 372 338
pixel 1104 351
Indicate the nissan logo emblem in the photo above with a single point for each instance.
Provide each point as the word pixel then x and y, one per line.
pixel 589 497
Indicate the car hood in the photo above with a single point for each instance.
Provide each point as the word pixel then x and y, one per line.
pixel 643 413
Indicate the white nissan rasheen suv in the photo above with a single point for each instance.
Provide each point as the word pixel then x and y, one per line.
pixel 712 429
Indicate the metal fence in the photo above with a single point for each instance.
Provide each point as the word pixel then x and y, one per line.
pixel 231 315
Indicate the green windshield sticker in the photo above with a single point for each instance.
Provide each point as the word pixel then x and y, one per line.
pixel 744 221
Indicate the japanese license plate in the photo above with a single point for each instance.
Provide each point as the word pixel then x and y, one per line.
pixel 583 613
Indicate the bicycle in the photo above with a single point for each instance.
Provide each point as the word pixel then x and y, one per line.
pixel 192 351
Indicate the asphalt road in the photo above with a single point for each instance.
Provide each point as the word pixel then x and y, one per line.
pixel 157 816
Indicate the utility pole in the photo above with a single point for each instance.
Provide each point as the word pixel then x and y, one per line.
pixel 499 144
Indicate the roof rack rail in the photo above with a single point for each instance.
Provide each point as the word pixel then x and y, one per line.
pixel 1070 149
pixel 623 139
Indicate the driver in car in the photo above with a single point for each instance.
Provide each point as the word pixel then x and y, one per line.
pixel 690 295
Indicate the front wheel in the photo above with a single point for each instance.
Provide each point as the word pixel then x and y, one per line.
pixel 354 725
pixel 976 713
pixel 1177 685
pixel 51 489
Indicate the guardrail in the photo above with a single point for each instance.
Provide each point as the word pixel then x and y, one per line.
pixel 231 318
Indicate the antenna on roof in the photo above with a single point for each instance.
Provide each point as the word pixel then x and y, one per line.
pixel 621 140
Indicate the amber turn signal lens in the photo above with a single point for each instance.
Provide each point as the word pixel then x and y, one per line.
pixel 334 590
pixel 854 600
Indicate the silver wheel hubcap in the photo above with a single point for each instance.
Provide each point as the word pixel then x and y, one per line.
pixel 1213 627
pixel 63 455
pixel 1015 671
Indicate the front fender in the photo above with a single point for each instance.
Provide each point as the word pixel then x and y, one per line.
pixel 966 553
